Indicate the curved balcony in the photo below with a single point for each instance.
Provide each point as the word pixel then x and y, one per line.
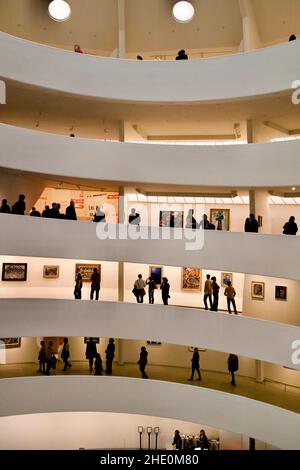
pixel 243 336
pixel 43 153
pixel 252 253
pixel 153 398
pixel 264 71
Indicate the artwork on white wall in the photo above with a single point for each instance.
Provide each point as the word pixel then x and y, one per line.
pixel 11 342
pixel 14 272
pixel 86 271
pixel 258 290
pixel 280 292
pixel 191 279
pixel 226 278
pixel 51 272
pixel 156 273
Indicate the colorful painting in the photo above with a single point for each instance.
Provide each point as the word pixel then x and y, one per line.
pixel 156 272
pixel 14 272
pixel 10 342
pixel 226 278
pixel 86 271
pixel 280 293
pixel 220 218
pixel 51 272
pixel 173 219
pixel 191 279
pixel 258 290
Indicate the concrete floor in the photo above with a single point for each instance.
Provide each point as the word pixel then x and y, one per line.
pixel 269 392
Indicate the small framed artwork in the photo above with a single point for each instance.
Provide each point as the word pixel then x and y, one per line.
pixel 51 272
pixel 156 272
pixel 192 349
pixel 10 342
pixel 226 278
pixel 153 343
pixel 258 290
pixel 220 218
pixel 280 293
pixel 91 338
pixel 86 271
pixel 191 279
pixel 14 272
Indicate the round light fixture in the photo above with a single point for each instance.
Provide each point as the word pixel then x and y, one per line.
pixel 293 188
pixel 59 10
pixel 183 12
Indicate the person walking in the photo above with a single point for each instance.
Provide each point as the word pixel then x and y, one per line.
pixel 233 366
pixel 191 222
pixel 19 207
pixel 49 357
pixel 91 352
pixel 215 293
pixel 78 287
pixel 98 365
pixel 251 224
pixel 143 361
pixel 230 294
pixel 177 441
pixel 4 209
pixel 196 364
pixel 207 292
pixel 139 289
pixel 134 217
pixel 290 228
pixel 151 288
pixel 165 291
pixel 95 286
pixel 71 211
pixel 110 354
pixel 42 357
pixel 65 354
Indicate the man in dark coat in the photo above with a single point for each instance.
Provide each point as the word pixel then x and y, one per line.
pixel 196 364
pixel 4 209
pixel 71 212
pixel 143 361
pixel 95 287
pixel 91 352
pixel 19 207
pixel 251 224
pixel 233 366
pixel 110 354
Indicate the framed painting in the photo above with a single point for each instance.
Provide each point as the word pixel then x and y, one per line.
pixel 11 342
pixel 91 338
pixel 156 272
pixel 191 279
pixel 14 272
pixel 220 218
pixel 51 272
pixel 192 349
pixel 226 278
pixel 280 293
pixel 173 219
pixel 258 290
pixel 86 271
pixel 153 343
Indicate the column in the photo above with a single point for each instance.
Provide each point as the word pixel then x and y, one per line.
pixel 260 371
pixel 122 32
pixel 259 206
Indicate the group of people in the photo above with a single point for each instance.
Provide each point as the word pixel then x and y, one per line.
pixel 181 55
pixel 232 365
pixel 179 442
pixel 140 285
pixel 95 285
pixel 19 208
pixel 211 292
pixel 94 357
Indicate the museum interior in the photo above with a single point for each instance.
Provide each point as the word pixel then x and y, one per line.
pixel 138 173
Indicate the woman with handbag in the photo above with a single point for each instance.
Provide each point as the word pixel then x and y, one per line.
pixel 78 287
pixel 139 289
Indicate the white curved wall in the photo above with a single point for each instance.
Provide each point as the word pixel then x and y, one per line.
pixel 221 410
pixel 244 336
pixel 261 254
pixel 243 75
pixel 27 150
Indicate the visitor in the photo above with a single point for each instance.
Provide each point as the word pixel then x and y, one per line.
pixel 203 441
pixel 251 224
pixel 78 49
pixel 60 216
pixel 42 357
pixel 99 215
pixel 230 294
pixel 19 207
pixel 54 211
pixel 143 361
pixel 98 365
pixel 35 213
pixel 190 220
pixel 292 38
pixel 46 212
pixel 91 352
pixel 50 358
pixel 290 228
pixel 110 354
pixel 72 135
pixel 208 292
pixel 195 364
pixel 151 288
pixel 215 293
pixel 134 218
pixel 182 55
pixel 71 212
pixel 177 441
pixel 78 287
pixel 139 57
pixel 65 354
pixel 139 289
pixel 95 286
pixel 4 209
pixel 233 366
pixel 165 291
pixel 204 223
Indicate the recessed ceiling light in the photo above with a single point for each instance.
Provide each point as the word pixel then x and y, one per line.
pixel 59 10
pixel 183 12
pixel 293 188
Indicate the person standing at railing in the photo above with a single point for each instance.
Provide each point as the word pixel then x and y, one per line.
pixel 19 207
pixel 251 224
pixel 71 211
pixel 182 55
pixel 290 228
pixel 4 209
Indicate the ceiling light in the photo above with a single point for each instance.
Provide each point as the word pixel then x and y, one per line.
pixel 293 188
pixel 59 10
pixel 183 12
